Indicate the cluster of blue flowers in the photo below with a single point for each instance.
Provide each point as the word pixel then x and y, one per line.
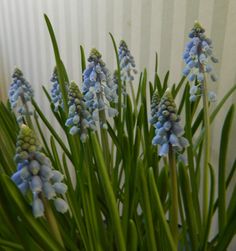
pixel 98 87
pixel 197 56
pixel 56 94
pixel 79 118
pixel 168 131
pixel 35 174
pixel 20 93
pixel 127 64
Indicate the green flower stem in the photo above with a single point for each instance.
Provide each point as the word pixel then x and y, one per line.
pixel 206 150
pixel 52 221
pixel 173 195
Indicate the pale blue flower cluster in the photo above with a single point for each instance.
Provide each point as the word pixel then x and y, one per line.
pixel 56 94
pixel 197 56
pixel 98 87
pixel 168 131
pixel 127 64
pixel 79 118
pixel 20 93
pixel 35 174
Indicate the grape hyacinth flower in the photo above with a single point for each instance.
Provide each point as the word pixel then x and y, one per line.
pixel 35 174
pixel 168 131
pixel 56 94
pixel 98 88
pixel 154 108
pixel 197 57
pixel 127 64
pixel 20 93
pixel 79 118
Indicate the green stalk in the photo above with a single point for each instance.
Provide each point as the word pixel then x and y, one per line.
pixel 52 221
pixel 173 195
pixel 206 150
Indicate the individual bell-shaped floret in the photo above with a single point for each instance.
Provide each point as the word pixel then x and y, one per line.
pixel 79 118
pixel 98 88
pixel 35 174
pixel 198 55
pixel 127 64
pixel 168 131
pixel 20 93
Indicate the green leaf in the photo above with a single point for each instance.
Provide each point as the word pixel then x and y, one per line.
pixel 206 230
pixel 133 237
pixel 160 211
pixel 158 86
pixel 214 114
pixel 119 84
pixel 109 193
pixel 188 206
pixel 227 233
pixel 10 244
pixel 190 153
pixel 165 83
pixel 129 121
pixel 162 184
pixel 63 79
pixel 139 87
pixel 51 129
pixel 225 134
pixel 83 60
pixel 179 85
pixel 146 207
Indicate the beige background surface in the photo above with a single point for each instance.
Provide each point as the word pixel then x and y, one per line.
pixel 148 26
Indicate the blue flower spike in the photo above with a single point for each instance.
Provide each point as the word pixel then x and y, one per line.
pixel 198 55
pixel 167 125
pixel 98 88
pixel 56 94
pixel 35 174
pixel 79 118
pixel 20 93
pixel 127 64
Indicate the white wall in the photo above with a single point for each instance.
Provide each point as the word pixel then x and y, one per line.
pixel 148 26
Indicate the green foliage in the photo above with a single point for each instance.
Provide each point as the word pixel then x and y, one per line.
pixel 122 204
